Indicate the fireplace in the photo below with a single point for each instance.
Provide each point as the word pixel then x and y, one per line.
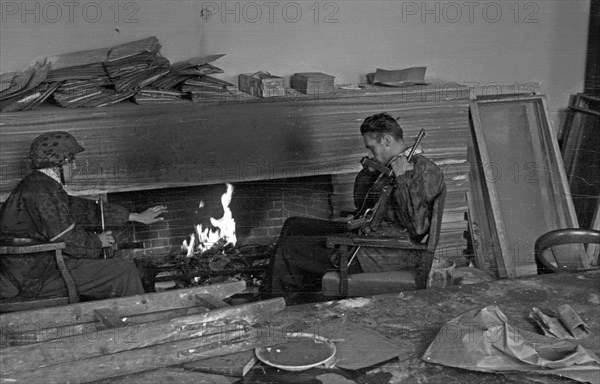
pixel 258 207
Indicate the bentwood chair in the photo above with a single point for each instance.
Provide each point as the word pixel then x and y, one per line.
pixel 547 261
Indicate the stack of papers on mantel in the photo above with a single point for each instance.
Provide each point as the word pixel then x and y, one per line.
pixel 25 90
pixel 100 77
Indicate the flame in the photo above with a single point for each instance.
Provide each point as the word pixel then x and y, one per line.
pixel 224 228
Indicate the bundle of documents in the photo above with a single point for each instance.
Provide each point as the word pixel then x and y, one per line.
pixel 149 95
pixel 89 97
pixel 132 66
pixel 25 90
pixel 207 89
pixel 81 78
pixel 184 70
pixel 78 65
pixel 28 99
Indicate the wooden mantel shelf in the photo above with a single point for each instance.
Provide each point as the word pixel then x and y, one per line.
pixel 138 147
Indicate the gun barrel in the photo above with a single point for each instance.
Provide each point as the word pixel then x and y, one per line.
pixel 366 162
pixel 422 134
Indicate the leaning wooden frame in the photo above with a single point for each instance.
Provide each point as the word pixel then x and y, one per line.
pixel 520 177
pixel 579 153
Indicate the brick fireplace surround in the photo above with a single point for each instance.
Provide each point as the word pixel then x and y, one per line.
pixel 259 209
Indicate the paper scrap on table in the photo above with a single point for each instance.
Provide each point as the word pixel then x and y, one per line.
pixel 398 77
pixel 568 325
pixel 483 340
pixel 353 303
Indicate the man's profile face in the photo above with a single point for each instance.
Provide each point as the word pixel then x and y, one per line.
pixel 385 149
pixel 68 171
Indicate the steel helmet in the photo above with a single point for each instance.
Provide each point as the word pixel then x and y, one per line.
pixel 53 149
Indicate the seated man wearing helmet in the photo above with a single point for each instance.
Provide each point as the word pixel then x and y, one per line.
pixel 40 209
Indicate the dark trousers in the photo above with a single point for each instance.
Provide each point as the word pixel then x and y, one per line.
pixel 95 279
pixel 101 279
pixel 301 257
pixel 98 279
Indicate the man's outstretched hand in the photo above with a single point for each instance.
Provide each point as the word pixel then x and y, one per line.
pixel 150 215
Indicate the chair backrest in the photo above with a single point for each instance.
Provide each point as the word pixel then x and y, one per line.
pixel 561 237
pixel 436 221
pixel 27 246
pixel 24 248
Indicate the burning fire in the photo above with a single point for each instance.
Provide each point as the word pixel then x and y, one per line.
pixel 204 238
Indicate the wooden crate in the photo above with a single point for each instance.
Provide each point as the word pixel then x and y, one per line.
pixel 312 83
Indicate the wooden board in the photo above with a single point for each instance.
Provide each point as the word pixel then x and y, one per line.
pixel 226 321
pixel 527 187
pixel 485 243
pixel 80 318
pixel 138 360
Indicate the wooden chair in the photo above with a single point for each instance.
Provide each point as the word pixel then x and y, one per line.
pixel 24 248
pixel 342 284
pixel 546 264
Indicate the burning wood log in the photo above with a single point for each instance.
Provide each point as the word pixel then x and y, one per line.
pixel 211 256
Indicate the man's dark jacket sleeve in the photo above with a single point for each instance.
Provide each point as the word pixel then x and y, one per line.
pixel 40 208
pixel 54 212
pixel 414 194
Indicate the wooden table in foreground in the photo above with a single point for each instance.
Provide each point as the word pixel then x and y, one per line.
pixel 412 320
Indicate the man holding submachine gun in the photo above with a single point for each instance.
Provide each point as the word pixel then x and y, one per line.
pixel 394 195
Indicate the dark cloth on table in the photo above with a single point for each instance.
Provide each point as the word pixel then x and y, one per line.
pixel 301 257
pixel 40 209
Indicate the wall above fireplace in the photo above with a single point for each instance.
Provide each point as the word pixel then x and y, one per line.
pixel 139 147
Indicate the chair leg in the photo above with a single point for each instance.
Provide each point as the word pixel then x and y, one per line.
pixel 71 288
pixel 423 268
pixel 343 274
